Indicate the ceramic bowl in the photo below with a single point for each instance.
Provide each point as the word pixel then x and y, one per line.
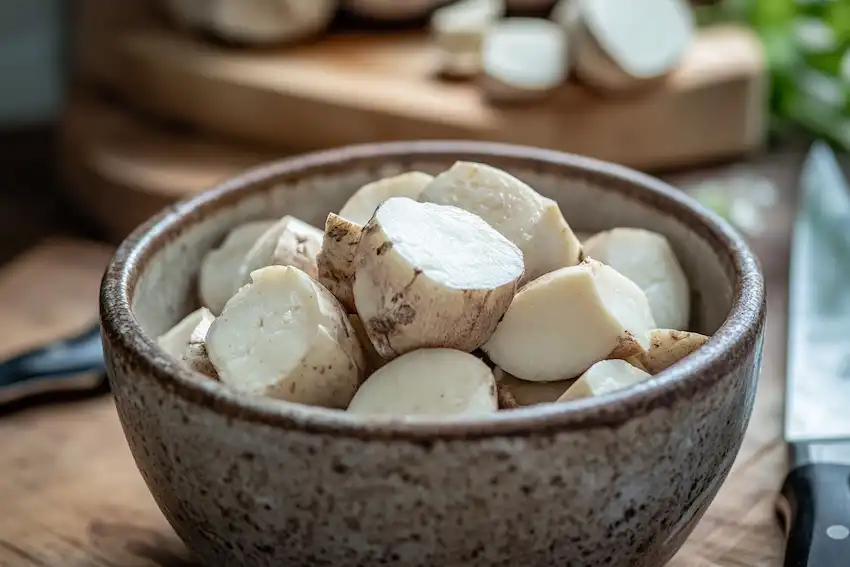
pixel 619 479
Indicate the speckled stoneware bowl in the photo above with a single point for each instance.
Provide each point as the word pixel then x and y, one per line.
pixel 615 480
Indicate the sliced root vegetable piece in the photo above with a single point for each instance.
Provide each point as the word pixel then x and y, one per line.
pixel 362 205
pixel 667 347
pixel 562 323
pixel 255 21
pixel 374 360
pixel 646 258
pixel 458 32
pixel 285 336
pixel 603 378
pixel 625 45
pixel 219 276
pixel 567 14
pixel 432 276
pixel 523 59
pixel 195 355
pixel 175 340
pixel 428 382
pixel 335 262
pixel 515 393
pixel 392 10
pixel 289 242
pixel 532 222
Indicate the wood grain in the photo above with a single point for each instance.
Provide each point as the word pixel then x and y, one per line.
pixel 71 497
pixel 121 169
pixel 355 88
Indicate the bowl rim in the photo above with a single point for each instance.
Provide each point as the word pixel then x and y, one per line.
pixel 727 349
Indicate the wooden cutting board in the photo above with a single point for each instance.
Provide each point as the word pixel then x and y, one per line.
pixel 121 169
pixel 355 88
pixel 71 495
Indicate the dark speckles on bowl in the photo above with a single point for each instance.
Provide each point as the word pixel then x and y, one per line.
pixel 615 480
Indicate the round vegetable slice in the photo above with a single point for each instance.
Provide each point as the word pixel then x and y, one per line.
pixel 289 242
pixel 523 59
pixel 562 323
pixel 285 336
pixel 646 258
pixel 428 382
pixel 432 276
pixel 219 276
pixel 604 377
pixel 362 205
pixel 533 222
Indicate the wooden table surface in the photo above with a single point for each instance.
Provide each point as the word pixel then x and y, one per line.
pixel 70 495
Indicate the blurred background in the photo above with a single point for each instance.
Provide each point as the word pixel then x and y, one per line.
pixel 126 106
pixel 112 109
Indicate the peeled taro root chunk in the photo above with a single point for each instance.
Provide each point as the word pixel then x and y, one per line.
pixel 185 341
pixel 458 32
pixel 289 242
pixel 219 277
pixel 285 336
pixel 604 377
pixel 428 382
pixel 432 276
pixel 533 222
pixel 646 258
pixel 523 59
pixel 254 21
pixel 565 321
pixel 362 204
pixel 626 45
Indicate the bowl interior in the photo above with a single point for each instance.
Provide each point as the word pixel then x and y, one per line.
pixel 166 286
pixel 160 261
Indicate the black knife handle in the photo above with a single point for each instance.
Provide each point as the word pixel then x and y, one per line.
pixel 815 508
pixel 67 365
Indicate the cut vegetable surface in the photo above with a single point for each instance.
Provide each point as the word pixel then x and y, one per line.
pixel 428 382
pixel 603 378
pixel 255 21
pixel 646 258
pixel 289 242
pixel 623 44
pixel 219 278
pixel 458 32
pixel 515 393
pixel 432 276
pixel 532 222
pixel 523 58
pixel 175 340
pixel 285 336
pixel 195 355
pixel 564 322
pixel 335 261
pixel 667 347
pixel 361 206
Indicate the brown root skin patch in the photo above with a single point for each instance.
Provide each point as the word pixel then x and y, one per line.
pixel 667 347
pixel 627 347
pixel 506 398
pixel 384 248
pixel 581 254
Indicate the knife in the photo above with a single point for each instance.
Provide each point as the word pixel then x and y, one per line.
pixel 68 365
pixel 814 503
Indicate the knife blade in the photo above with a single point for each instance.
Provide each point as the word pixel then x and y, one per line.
pixel 814 503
